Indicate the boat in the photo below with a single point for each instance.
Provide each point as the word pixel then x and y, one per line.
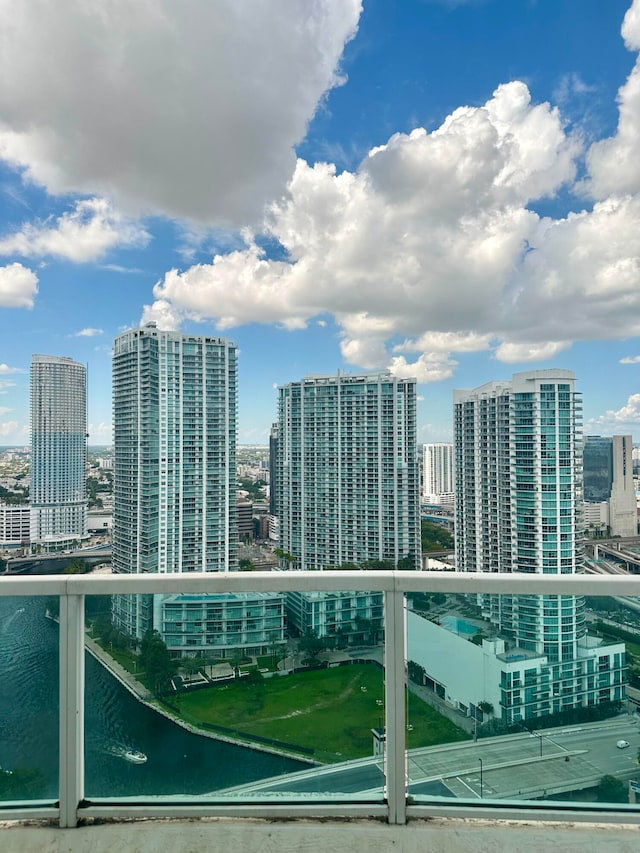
pixel 135 756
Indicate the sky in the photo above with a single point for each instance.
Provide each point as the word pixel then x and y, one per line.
pixel 448 189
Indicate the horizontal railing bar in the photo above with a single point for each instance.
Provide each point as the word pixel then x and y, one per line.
pixel 29 813
pixel 280 810
pixel 404 581
pixel 571 812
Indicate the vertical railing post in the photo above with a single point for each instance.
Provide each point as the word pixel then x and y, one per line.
pixel 71 707
pixel 395 721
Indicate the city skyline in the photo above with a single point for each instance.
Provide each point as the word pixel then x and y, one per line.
pixel 446 189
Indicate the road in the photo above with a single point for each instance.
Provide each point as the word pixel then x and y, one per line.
pixel 521 766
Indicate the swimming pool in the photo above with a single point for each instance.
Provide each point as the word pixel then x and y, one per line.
pixel 458 625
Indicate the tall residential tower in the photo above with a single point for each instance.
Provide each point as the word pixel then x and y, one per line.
pixel 174 417
pixel 437 472
pixel 58 451
pixel 347 476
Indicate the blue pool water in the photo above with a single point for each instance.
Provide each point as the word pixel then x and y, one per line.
pixel 458 625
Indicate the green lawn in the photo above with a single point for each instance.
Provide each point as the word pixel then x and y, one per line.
pixel 325 710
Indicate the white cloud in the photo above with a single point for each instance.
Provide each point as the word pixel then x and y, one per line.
pixel 4 410
pixel 100 433
pixel 4 369
pixel 85 234
pixel 191 110
pixel 614 164
pixel 9 428
pixel 4 384
pixel 88 333
pixel 513 353
pixel 630 359
pixel 421 242
pixel 614 420
pixel 18 286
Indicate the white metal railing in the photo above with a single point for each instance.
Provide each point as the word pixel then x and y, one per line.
pixel 73 588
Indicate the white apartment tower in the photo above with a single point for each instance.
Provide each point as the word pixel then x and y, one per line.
pixel 518 487
pixel 347 476
pixel 519 499
pixel 174 418
pixel 437 471
pixel 58 516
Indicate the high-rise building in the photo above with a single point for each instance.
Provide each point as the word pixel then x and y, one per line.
pixel 437 471
pixel 609 489
pixel 58 451
pixel 174 418
pixel 623 512
pixel 347 476
pixel 518 488
pixel 519 499
pixel 273 462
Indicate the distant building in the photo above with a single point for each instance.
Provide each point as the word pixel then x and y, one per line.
pixel 623 512
pixel 437 473
pixel 609 488
pixel 15 524
pixel 347 476
pixel 58 493
pixel 174 418
pixel 245 520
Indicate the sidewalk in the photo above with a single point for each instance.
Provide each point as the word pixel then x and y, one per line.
pixel 124 677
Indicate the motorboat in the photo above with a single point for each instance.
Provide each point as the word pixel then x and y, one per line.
pixel 135 756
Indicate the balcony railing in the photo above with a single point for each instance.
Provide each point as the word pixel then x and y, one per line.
pixel 395 806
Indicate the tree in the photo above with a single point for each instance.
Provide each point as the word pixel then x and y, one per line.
pixel 76 566
pixel 610 789
pixel 310 645
pixel 246 565
pixel 486 708
pixel 156 661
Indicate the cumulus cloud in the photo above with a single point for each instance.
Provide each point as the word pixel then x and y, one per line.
pixel 85 234
pixel 614 420
pixel 614 165
pixel 9 428
pixel 18 286
pixel 431 247
pixel 4 369
pixel 191 110
pixel 88 333
pixel 630 359
pixel 422 241
pixel 100 433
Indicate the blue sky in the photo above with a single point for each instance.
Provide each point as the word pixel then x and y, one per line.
pixel 450 190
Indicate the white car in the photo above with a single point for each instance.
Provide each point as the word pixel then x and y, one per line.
pixel 622 744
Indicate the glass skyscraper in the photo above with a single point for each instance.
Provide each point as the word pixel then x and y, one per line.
pixel 174 418
pixel 518 498
pixel 58 451
pixel 518 452
pixel 347 478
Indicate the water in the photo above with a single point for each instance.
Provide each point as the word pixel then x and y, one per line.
pixel 458 625
pixel 178 761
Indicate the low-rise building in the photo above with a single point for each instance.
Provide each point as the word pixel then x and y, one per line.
pixel 337 614
pixel 14 525
pixel 220 625
pixel 520 684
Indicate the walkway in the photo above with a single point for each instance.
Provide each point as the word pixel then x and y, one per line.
pixel 124 677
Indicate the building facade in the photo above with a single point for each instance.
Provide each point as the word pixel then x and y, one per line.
pixel 174 417
pixel 15 525
pixel 347 476
pixel 609 488
pixel 437 472
pixel 221 625
pixel 58 493
pixel 518 455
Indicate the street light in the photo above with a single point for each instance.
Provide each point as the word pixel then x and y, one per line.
pixel 480 760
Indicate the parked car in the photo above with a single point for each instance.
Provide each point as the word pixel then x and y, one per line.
pixel 622 744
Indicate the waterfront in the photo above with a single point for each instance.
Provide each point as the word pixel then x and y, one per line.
pixel 178 761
